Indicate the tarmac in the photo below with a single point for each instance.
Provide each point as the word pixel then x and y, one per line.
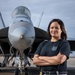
pixel 70 63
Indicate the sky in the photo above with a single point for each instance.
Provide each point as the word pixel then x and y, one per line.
pixel 62 9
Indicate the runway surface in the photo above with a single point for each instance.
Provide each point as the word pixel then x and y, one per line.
pixel 71 63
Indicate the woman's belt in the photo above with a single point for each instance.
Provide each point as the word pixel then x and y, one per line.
pixel 52 73
pixel 48 73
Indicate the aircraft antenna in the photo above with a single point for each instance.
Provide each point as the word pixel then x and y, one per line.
pixel 2 20
pixel 41 17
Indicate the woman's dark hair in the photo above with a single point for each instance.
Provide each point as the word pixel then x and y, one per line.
pixel 63 34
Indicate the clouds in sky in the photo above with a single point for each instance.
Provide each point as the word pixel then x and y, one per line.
pixel 63 9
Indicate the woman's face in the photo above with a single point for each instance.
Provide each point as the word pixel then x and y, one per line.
pixel 55 30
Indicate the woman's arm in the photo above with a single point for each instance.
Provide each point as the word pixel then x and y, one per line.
pixel 38 61
pixel 46 60
pixel 54 60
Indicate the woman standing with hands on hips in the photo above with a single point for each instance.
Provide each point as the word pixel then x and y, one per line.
pixel 52 55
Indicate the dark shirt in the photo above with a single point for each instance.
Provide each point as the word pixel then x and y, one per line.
pixel 48 48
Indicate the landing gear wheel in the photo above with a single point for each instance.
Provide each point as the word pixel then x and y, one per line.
pixel 17 71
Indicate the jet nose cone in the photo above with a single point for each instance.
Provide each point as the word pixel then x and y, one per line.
pixel 21 37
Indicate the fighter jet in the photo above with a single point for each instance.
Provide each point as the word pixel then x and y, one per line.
pixel 21 39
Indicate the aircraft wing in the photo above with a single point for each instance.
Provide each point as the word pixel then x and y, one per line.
pixel 40 35
pixel 4 34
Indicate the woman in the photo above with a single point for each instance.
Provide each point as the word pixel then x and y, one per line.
pixel 52 55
